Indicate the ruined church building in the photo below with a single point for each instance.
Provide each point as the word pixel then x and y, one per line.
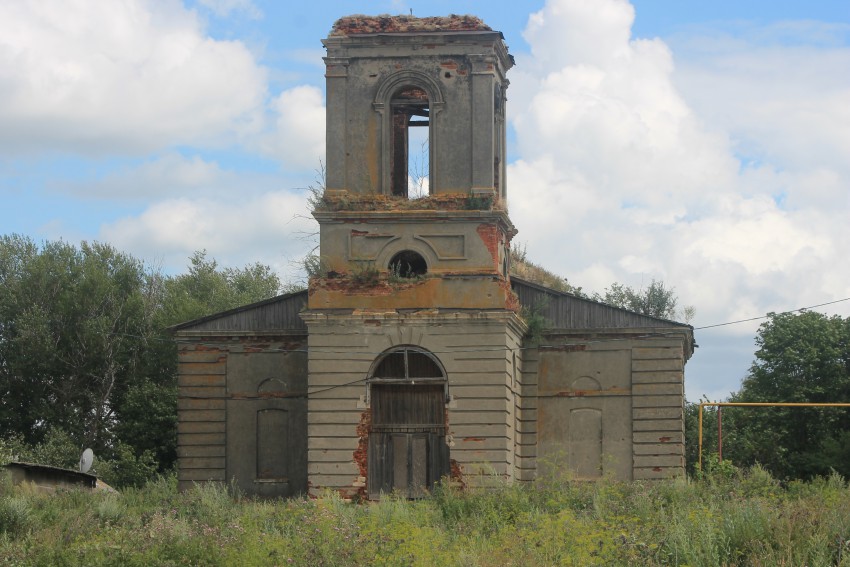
pixel 412 356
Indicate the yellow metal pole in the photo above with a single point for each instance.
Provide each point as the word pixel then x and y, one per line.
pixel 762 404
pixel 781 404
pixel 720 434
pixel 699 467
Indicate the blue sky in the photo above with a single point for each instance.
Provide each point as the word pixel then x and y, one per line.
pixel 704 144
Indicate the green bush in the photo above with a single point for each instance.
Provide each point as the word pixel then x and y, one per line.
pixel 57 450
pixel 123 468
pixel 15 515
pixel 120 467
pixel 740 518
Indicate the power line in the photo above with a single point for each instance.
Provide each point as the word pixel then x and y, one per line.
pixel 656 334
pixel 766 316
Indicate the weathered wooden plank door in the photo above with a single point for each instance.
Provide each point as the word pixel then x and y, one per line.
pixel 407 445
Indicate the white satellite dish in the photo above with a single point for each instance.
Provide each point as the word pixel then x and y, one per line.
pixel 86 460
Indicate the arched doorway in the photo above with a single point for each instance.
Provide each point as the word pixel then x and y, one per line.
pixel 407 442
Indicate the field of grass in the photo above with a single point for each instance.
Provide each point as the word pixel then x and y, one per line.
pixel 736 518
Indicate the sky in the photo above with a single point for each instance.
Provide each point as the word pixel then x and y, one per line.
pixel 703 144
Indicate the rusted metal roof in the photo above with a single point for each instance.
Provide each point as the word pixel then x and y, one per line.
pixel 360 24
pixel 279 313
pixel 49 478
pixel 562 311
pixel 566 311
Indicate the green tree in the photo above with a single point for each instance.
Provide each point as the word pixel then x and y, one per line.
pixel 85 351
pixel 70 323
pixel 655 300
pixel 207 289
pixel 800 358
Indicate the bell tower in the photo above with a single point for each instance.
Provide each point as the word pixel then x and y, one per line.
pixel 414 251
pixel 415 173
pixel 387 77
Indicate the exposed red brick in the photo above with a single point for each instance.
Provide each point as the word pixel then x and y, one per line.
pixel 412 93
pixel 347 284
pixel 441 202
pixel 361 454
pixel 511 298
pixel 457 473
pixel 360 24
pixel 491 236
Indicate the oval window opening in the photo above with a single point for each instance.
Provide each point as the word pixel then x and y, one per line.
pixel 408 264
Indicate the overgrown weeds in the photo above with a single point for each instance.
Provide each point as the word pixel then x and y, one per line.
pixel 745 518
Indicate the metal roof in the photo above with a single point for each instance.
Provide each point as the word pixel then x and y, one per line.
pixel 567 311
pixel 279 313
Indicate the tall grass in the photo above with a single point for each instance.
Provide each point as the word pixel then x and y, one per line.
pixel 729 518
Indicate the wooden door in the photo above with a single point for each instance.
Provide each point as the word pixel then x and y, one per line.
pixel 407 444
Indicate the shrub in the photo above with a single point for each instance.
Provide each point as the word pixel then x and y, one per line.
pixel 125 469
pixel 15 515
pixel 744 518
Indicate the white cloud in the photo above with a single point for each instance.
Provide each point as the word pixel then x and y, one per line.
pixel 171 174
pixel 298 139
pixel 271 228
pixel 727 179
pixel 98 77
pixel 762 93
pixel 596 32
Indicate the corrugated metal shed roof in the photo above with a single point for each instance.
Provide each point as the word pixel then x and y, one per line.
pixel 47 476
pixel 279 313
pixel 562 311
pixel 566 311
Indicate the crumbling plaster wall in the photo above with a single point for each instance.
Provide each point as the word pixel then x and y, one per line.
pixel 472 348
pixel 449 241
pixel 460 75
pixel 629 386
pixel 465 253
pixel 222 383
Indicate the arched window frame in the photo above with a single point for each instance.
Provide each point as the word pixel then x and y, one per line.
pixel 406 379
pixel 383 106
